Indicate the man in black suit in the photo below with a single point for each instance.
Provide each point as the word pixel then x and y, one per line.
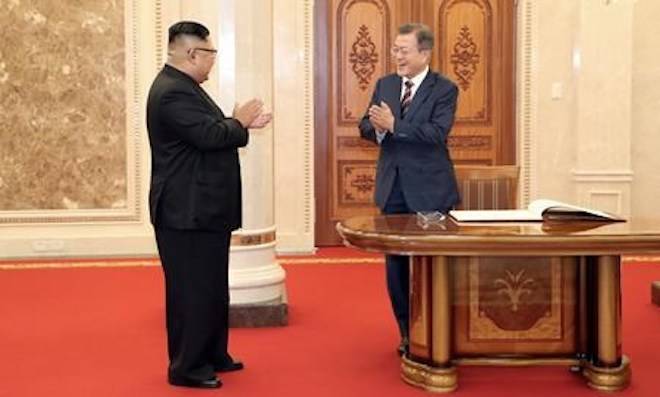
pixel 195 203
pixel 410 116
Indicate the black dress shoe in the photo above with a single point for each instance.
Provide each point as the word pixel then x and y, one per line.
pixel 229 366
pixel 211 383
pixel 403 347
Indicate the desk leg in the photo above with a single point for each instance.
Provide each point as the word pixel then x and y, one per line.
pixel 441 351
pixel 431 291
pixel 609 370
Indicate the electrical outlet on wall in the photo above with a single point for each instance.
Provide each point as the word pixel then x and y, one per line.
pixel 557 91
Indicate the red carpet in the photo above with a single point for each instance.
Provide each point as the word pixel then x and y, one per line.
pixel 100 332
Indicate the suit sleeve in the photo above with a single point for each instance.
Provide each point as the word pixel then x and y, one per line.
pixel 436 129
pixel 367 130
pixel 186 115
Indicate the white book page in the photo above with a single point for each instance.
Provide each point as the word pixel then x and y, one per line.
pixel 493 215
pixel 538 206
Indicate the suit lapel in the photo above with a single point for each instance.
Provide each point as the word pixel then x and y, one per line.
pixel 393 97
pixel 422 93
pixel 209 101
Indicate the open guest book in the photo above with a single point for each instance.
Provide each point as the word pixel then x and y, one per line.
pixel 537 211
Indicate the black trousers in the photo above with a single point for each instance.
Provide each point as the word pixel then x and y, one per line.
pixel 195 265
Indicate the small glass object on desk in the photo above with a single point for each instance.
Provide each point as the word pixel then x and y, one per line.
pixel 425 219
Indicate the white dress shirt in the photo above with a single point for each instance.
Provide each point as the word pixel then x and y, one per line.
pixel 417 81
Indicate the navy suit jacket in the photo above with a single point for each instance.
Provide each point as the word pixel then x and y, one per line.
pixel 417 148
pixel 195 170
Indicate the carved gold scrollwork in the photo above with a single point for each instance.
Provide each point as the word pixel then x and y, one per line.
pixel 363 57
pixel 465 58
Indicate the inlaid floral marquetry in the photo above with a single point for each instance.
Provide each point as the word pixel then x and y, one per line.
pixel 515 297
pixel 515 286
pixel 465 58
pixel 363 57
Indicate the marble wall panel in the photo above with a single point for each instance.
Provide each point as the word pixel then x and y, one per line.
pixel 63 105
pixel 645 110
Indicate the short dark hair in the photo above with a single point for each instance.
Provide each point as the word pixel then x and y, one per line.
pixel 187 28
pixel 422 32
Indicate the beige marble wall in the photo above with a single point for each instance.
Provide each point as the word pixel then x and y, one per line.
pixel 554 135
pixel 646 110
pixel 95 229
pixel 603 171
pixel 63 100
pixel 577 147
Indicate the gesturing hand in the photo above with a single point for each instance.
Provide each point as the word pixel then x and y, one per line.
pixel 261 121
pixel 381 117
pixel 248 112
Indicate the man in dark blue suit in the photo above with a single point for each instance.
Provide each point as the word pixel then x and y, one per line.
pixel 410 116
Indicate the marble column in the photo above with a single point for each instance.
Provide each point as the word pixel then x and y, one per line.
pixel 245 70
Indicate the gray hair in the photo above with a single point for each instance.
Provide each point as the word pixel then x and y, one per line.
pixel 422 32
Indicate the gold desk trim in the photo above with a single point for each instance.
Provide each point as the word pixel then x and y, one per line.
pixel 437 380
pixel 600 378
pixel 606 378
pixel 516 362
pixel 248 239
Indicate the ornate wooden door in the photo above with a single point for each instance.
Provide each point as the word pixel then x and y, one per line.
pixel 474 48
pixel 474 42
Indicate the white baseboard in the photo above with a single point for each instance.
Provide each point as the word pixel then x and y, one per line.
pixel 78 247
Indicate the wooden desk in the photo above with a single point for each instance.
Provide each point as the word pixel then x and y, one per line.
pixel 510 294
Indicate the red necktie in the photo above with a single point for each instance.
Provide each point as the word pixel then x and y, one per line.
pixel 407 97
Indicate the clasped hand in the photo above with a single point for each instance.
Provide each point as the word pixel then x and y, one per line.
pixel 251 114
pixel 381 117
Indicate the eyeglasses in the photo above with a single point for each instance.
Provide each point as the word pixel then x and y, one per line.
pixel 404 51
pixel 210 50
pixel 400 50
